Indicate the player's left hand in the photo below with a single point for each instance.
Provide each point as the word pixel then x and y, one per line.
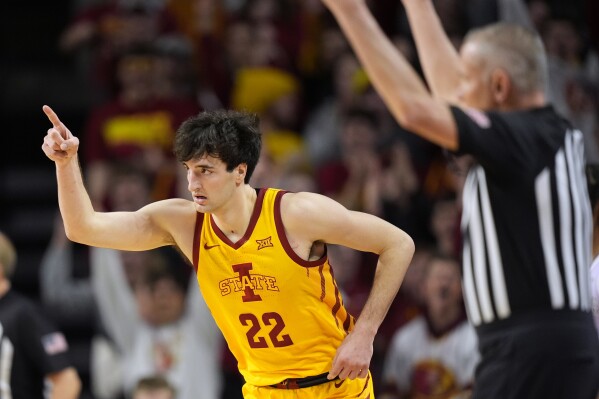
pixel 353 357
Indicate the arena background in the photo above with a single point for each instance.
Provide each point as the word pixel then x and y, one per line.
pixel 35 72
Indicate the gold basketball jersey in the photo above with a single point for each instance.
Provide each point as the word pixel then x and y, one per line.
pixel 282 316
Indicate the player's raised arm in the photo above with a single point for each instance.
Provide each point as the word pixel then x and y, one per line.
pixel 395 80
pixel 314 217
pixel 145 229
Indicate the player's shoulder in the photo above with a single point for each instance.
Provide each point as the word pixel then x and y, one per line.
pixel 304 204
pixel 306 199
pixel 172 205
pixel 171 215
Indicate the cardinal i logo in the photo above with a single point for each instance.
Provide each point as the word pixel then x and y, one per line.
pixel 248 283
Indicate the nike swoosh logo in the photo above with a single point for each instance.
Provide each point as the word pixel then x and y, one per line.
pixel 338 383
pixel 206 246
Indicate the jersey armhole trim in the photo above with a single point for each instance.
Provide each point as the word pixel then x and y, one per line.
pixel 197 235
pixel 285 242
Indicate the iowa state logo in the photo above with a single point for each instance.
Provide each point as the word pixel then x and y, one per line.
pixel 248 283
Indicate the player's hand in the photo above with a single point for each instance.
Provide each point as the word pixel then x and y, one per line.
pixel 59 144
pixel 352 358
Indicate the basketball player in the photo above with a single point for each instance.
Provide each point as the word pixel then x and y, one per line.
pixel 259 256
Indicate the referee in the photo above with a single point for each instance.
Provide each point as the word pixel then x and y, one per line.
pixel 526 220
pixel 33 355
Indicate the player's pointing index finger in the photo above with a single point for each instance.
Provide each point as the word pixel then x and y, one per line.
pixel 52 116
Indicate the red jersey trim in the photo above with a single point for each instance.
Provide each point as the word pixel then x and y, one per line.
pixel 285 242
pixel 197 235
pixel 348 321
pixel 250 229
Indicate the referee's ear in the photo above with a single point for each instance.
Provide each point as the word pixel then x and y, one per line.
pixel 501 86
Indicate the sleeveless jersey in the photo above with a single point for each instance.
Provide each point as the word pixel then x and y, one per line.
pixel 282 316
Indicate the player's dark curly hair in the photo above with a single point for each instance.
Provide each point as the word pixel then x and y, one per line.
pixel 231 136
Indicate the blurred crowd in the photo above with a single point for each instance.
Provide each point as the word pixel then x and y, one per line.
pixel 150 64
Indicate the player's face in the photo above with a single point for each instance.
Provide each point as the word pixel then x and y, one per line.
pixel 210 184
pixel 474 90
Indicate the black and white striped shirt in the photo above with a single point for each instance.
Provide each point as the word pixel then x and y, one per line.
pixel 526 218
pixel 30 349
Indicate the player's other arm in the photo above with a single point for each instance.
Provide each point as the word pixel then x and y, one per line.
pixel 145 229
pixel 394 78
pixel 315 217
pixel 65 384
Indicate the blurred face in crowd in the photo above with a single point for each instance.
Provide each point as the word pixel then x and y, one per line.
pixel 261 10
pixel 238 45
pixel 443 218
pixel 160 304
pixel 539 12
pixel 561 40
pixel 284 111
pixel 333 44
pixel 442 284
pixel 169 301
pixel 129 193
pixel 133 264
pixel 357 134
pixel 136 70
pixel 162 393
pixel 265 48
pixel 345 70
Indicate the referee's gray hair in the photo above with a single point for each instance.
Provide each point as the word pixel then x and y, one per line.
pixel 8 255
pixel 517 50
